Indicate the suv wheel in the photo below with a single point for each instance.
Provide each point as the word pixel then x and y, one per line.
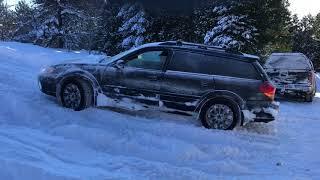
pixel 220 114
pixel 76 95
pixel 309 98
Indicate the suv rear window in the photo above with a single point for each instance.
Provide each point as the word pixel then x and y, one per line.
pixel 212 65
pixel 291 61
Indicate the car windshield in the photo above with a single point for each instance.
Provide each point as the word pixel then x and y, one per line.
pixel 288 61
pixel 118 56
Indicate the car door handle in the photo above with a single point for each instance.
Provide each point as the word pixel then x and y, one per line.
pixel 204 84
pixel 153 78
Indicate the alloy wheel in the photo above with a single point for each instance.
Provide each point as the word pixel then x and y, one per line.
pixel 219 116
pixel 72 96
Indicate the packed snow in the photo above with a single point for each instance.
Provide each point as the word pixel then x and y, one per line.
pixel 41 140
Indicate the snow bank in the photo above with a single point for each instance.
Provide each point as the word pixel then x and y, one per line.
pixel 26 55
pixel 41 140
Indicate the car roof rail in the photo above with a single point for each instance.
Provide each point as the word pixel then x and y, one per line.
pixel 199 46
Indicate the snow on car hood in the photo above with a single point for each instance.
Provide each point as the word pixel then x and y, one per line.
pixel 82 61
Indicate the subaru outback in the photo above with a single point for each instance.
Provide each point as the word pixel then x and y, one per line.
pixel 222 88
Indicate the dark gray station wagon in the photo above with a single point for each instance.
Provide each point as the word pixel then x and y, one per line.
pixel 222 88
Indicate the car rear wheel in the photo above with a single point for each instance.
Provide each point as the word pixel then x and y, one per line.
pixel 76 95
pixel 220 114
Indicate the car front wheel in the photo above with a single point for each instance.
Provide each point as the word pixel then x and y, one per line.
pixel 309 98
pixel 76 95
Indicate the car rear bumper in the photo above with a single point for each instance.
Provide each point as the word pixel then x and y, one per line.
pixel 262 113
pixel 294 88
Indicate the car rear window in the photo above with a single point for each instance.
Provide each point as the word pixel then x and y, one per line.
pixel 212 65
pixel 291 61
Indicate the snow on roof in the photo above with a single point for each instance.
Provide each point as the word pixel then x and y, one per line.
pixel 150 44
pixel 250 56
pixel 287 54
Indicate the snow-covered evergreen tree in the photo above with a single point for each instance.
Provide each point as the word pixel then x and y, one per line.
pixel 116 25
pixel 60 24
pixel 232 29
pixel 106 36
pixel 317 26
pixel 134 25
pixel 6 21
pixel 203 19
pixel 168 27
pixel 25 23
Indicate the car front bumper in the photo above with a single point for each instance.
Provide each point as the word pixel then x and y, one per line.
pixel 47 85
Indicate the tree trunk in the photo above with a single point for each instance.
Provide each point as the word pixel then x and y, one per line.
pixel 59 26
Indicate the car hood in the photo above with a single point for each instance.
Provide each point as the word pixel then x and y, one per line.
pixel 81 61
pixel 84 61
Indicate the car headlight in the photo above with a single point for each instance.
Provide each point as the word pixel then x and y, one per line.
pixel 48 70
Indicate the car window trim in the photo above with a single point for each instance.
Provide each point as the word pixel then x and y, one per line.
pixel 143 69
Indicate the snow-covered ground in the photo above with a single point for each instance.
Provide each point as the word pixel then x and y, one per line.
pixel 41 140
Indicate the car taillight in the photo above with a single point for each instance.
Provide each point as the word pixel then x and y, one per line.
pixel 268 90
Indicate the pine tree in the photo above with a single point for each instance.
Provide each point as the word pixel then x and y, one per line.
pixel 271 20
pixel 25 22
pixel 316 27
pixel 106 37
pixel 203 19
pixel 167 27
pixel 134 25
pixel 253 26
pixel 6 22
pixel 304 40
pixel 61 23
pixel 232 30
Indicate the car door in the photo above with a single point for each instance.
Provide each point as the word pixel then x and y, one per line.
pixel 141 74
pixel 185 80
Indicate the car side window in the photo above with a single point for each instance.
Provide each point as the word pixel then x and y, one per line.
pixel 154 60
pixel 186 62
pixel 212 65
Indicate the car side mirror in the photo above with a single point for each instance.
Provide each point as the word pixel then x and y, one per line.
pixel 119 64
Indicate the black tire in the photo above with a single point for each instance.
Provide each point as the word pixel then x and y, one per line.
pixel 308 98
pixel 83 95
pixel 234 107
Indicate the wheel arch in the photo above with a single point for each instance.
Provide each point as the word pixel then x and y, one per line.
pixel 221 95
pixel 78 75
